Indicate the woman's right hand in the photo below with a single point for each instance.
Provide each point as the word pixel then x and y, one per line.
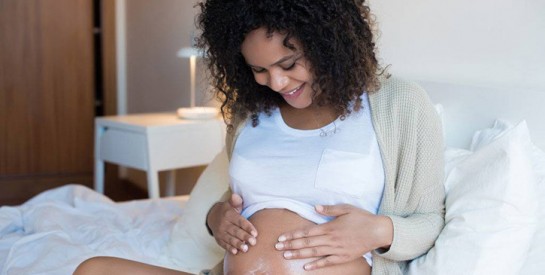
pixel 231 231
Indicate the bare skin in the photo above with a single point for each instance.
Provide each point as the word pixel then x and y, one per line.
pixel 264 258
pixel 111 265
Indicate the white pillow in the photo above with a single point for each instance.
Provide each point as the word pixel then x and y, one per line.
pixel 491 209
pixel 191 248
pixel 441 112
pixel 486 136
pixel 534 262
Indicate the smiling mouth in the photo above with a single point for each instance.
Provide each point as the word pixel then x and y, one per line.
pixel 294 90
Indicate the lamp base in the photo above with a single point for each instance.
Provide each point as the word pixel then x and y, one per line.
pixel 197 113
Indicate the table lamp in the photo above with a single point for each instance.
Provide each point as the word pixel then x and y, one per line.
pixel 194 112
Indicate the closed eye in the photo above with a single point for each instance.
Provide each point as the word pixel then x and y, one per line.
pixel 257 70
pixel 292 65
pixel 289 67
pixel 261 70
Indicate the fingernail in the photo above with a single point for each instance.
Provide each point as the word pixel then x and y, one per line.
pixel 254 233
pixel 234 251
pixel 279 246
pixel 244 248
pixel 252 241
pixel 282 238
pixel 287 254
pixel 307 267
pixel 319 208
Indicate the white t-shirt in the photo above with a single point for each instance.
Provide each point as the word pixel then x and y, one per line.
pixel 276 166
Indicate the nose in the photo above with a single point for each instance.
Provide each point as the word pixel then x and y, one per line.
pixel 277 80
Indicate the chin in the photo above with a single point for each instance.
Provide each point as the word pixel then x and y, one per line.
pixel 299 105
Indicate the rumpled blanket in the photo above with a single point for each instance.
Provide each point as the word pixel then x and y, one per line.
pixel 55 231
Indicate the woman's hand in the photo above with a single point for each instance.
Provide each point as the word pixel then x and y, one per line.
pixel 350 235
pixel 231 231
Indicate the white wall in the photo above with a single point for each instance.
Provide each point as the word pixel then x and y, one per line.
pixel 498 46
pixel 492 43
pixel 158 80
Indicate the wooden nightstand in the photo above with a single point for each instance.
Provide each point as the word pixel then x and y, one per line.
pixel 155 142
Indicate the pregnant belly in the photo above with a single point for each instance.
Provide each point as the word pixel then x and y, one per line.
pixel 263 258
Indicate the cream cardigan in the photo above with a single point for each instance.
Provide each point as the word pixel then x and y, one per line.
pixel 409 134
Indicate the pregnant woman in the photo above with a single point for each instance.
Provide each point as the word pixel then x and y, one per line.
pixel 335 167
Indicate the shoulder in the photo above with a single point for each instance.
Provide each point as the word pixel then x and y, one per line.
pixel 400 99
pixel 398 92
pixel 238 122
pixel 401 105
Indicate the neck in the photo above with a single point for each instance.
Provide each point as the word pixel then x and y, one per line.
pixel 312 117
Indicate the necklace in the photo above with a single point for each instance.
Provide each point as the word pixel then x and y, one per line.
pixel 326 132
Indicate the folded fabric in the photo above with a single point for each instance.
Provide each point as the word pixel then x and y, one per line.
pixel 190 247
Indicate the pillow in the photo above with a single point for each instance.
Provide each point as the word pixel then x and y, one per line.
pixel 441 112
pixel 190 247
pixel 534 262
pixel 490 209
pixel 486 136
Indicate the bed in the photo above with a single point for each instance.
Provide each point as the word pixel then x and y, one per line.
pixel 56 230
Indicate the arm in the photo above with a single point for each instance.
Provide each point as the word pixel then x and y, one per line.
pixel 413 156
pixel 223 220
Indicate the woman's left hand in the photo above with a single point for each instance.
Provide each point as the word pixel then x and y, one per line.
pixel 352 233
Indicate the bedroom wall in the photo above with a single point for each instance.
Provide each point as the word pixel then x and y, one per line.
pixel 489 43
pixel 492 43
pixel 491 49
pixel 158 80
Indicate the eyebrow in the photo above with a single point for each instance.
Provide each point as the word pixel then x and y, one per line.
pixel 283 59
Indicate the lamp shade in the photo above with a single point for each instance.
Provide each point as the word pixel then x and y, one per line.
pixel 188 52
pixel 192 53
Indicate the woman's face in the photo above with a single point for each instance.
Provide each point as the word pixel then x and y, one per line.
pixel 283 70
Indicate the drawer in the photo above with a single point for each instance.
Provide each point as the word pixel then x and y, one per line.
pixel 124 148
pixel 185 148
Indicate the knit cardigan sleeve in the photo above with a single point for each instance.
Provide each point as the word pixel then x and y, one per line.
pixel 230 140
pixel 410 137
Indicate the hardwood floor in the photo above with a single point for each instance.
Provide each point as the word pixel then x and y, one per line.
pixel 121 191
pixel 15 191
pixel 125 190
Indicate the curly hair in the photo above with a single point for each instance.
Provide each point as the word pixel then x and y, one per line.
pixel 336 37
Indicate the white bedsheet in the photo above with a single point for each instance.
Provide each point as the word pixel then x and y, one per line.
pixel 58 229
